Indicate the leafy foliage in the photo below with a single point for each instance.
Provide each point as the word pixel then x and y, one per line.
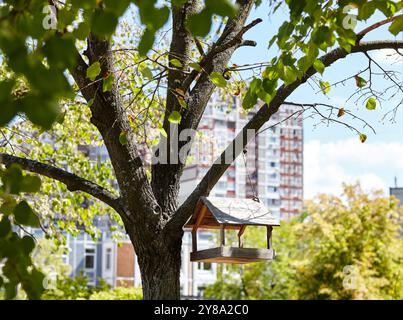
pixel 314 27
pixel 119 293
pixel 33 33
pixel 15 250
pixel 77 288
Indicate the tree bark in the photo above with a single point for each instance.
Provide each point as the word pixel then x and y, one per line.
pixel 160 264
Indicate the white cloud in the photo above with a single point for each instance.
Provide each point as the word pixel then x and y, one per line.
pixel 329 164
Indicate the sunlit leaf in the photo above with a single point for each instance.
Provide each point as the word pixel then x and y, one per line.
pixel 218 79
pixel 93 71
pixel 371 104
pixel 175 117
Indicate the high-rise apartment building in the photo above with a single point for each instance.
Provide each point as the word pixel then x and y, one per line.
pixel 272 167
pixel 398 193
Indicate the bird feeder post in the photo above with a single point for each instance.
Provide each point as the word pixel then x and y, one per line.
pixel 195 227
pixel 269 231
pixel 222 235
pixel 194 240
pixel 240 233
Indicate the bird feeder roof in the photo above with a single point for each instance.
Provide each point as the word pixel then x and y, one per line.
pixel 212 212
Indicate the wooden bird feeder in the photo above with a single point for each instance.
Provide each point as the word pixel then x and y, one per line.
pixel 230 214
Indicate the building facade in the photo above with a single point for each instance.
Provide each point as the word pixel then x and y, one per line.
pixel 103 258
pixel 398 193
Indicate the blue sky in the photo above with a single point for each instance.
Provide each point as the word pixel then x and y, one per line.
pixel 334 154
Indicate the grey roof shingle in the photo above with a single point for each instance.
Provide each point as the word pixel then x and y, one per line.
pixel 239 211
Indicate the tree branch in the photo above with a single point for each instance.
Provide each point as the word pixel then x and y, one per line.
pixel 374 26
pixel 108 115
pixel 166 177
pixel 257 121
pixel 72 181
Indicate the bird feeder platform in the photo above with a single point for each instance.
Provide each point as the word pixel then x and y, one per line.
pixel 231 214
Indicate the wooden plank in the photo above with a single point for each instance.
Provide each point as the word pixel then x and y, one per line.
pixel 200 218
pixel 232 255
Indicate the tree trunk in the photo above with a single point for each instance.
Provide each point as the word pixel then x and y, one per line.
pixel 160 265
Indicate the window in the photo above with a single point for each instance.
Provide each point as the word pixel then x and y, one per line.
pixel 200 290
pixel 108 258
pixel 221 185
pixel 89 262
pixel 65 254
pixel 204 266
pixel 271 189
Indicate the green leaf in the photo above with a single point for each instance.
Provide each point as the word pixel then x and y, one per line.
pixel 178 3
pixel 176 63
pixel 41 110
pixel 82 30
pixel 12 178
pixel 8 205
pixel 363 137
pixel 30 184
pixel 175 117
pixel 288 74
pixel 319 66
pixel 28 244
pixel 195 66
pixel 147 73
pixel 371 104
pixel 123 138
pixel 360 82
pixel 182 101
pixel 60 117
pixel 250 100
pixel 200 24
pixel 397 26
pixel 324 86
pixel 8 109
pixel 146 42
pixel 60 52
pixel 218 79
pixel 34 288
pixel 108 83
pixel 104 22
pixel 223 8
pixel 269 86
pixel 163 132
pixel 25 215
pixel 90 103
pixel 5 227
pixel 284 33
pixel 93 71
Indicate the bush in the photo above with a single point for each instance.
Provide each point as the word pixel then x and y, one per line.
pixel 118 294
